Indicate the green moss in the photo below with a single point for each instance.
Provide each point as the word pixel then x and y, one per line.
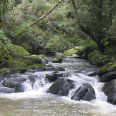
pixel 98 59
pixel 4 71
pixel 36 66
pixel 42 55
pixel 33 59
pixel 16 51
pixel 13 64
pixel 70 52
pixel 105 67
pixel 113 66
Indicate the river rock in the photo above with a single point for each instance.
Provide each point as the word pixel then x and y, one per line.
pixel 20 88
pixel 85 92
pixel 110 90
pixel 108 77
pixel 13 82
pixel 6 90
pixel 55 60
pixel 55 75
pixel 61 87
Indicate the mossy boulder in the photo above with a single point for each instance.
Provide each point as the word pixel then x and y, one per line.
pixel 111 66
pixel 4 71
pixel 70 52
pixel 55 60
pixel 32 59
pixel 37 66
pixel 14 66
pixel 41 56
pixel 16 50
pixel 97 58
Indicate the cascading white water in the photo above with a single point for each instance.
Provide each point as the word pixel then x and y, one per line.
pixel 78 70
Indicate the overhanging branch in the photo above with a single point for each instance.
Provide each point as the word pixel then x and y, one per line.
pixel 42 17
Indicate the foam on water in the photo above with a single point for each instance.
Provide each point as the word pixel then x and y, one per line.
pixel 40 87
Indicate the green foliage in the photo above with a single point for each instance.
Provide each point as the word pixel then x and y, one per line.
pixel 4 53
pixel 3 37
pixel 59 43
pixel 98 59
pixel 88 44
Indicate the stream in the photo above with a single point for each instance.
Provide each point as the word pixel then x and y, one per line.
pixel 35 101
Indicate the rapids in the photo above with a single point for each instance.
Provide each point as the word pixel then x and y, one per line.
pixel 35 101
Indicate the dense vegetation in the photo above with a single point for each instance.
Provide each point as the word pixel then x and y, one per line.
pixel 91 25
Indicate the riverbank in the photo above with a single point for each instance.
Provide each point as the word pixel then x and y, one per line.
pixel 14 58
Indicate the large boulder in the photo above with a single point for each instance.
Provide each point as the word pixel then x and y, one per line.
pixel 98 59
pixel 85 92
pixel 108 77
pixel 55 75
pixel 13 66
pixel 6 90
pixel 110 90
pixel 16 50
pixel 61 87
pixel 111 66
pixel 13 82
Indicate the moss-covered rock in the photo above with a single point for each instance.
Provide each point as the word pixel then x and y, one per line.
pixel 70 52
pixel 14 58
pixel 16 50
pixel 42 55
pixel 14 66
pixel 111 66
pixel 4 71
pixel 96 58
pixel 32 59
pixel 55 60
pixel 36 66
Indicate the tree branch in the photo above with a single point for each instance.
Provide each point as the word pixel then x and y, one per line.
pixel 42 17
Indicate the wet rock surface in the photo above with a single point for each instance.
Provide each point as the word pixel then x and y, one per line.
pixel 13 82
pixel 110 90
pixel 85 92
pixel 108 77
pixel 6 90
pixel 61 87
